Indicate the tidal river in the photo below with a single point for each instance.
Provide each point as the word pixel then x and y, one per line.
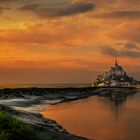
pixel 100 118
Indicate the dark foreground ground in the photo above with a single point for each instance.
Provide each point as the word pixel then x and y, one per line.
pixel 43 128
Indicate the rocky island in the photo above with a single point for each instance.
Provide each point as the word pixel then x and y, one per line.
pixel 116 76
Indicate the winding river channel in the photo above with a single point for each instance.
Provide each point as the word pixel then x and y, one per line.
pixel 101 118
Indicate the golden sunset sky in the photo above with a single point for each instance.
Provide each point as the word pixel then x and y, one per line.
pixel 67 41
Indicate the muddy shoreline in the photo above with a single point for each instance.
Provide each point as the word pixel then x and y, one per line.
pixel 32 96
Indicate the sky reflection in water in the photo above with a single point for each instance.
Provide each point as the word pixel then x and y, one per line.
pixel 103 118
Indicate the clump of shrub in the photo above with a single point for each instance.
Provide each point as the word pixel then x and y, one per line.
pixel 14 129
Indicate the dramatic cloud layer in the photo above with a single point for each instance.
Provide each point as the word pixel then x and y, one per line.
pixel 72 9
pixel 131 46
pixel 120 15
pixel 128 50
pixel 41 40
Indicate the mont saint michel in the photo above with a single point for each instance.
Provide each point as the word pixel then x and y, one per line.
pixel 116 76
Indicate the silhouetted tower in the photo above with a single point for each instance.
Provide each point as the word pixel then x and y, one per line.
pixel 116 62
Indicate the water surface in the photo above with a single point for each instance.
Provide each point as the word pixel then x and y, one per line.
pixel 102 118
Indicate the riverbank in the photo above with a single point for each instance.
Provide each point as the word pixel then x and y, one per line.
pixel 44 128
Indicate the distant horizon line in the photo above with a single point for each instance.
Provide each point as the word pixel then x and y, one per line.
pixel 46 84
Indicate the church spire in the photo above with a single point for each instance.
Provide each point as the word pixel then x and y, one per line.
pixel 116 62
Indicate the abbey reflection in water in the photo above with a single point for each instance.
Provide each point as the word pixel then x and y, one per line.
pixel 117 97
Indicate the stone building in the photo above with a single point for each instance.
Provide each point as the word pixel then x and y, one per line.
pixel 116 76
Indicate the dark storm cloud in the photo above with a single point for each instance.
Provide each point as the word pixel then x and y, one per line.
pixel 128 50
pixel 130 53
pixel 109 51
pixel 68 10
pixel 119 14
pixel 131 46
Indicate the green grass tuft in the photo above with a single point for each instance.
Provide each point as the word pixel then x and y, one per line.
pixel 14 129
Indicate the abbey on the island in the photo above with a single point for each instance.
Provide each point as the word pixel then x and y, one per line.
pixel 116 76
